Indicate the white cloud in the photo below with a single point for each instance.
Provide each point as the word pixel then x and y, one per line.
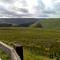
pixel 29 8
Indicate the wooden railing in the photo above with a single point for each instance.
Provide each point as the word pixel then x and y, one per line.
pixel 10 51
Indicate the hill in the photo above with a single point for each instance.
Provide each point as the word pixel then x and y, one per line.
pixel 30 22
pixel 49 23
pixel 20 22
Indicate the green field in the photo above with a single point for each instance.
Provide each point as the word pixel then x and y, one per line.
pixel 31 39
pixel 52 23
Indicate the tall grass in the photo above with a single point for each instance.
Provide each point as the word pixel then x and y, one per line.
pixel 29 37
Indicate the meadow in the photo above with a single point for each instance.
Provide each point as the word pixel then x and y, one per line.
pixel 48 23
pixel 34 40
pixel 51 23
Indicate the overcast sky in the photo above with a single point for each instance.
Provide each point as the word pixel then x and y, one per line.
pixel 29 8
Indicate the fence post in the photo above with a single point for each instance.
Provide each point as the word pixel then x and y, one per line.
pixel 19 50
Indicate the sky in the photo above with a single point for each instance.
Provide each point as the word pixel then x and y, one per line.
pixel 30 8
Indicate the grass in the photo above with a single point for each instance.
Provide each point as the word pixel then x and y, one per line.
pixel 3 55
pixel 28 55
pixel 51 23
pixel 29 37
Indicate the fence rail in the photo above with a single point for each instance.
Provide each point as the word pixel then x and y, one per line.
pixel 10 51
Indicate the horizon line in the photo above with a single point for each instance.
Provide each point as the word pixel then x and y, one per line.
pixel 29 17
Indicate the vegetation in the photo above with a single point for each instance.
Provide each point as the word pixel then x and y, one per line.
pixel 28 55
pixel 31 22
pixel 36 25
pixel 40 43
pixel 3 55
pixel 51 23
pixel 37 42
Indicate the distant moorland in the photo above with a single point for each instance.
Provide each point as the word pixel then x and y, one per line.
pixel 41 39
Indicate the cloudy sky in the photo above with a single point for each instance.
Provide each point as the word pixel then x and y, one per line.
pixel 29 8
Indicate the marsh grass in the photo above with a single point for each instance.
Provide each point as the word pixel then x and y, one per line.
pixel 29 37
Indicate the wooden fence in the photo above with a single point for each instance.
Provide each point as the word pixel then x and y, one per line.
pixel 10 51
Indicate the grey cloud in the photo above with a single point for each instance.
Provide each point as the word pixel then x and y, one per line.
pixel 7 1
pixel 9 13
pixel 57 6
pixel 49 12
pixel 40 9
pixel 23 10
